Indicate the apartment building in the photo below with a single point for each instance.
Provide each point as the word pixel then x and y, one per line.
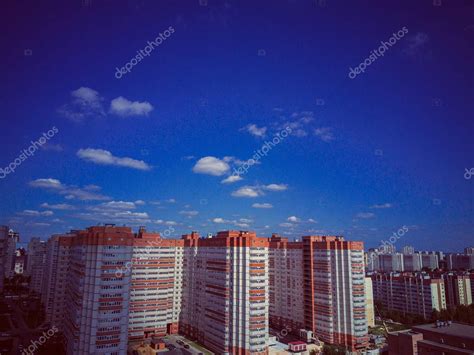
pixel 106 286
pixel 9 239
pixel 97 300
pixel 458 288
pixel 391 262
pixel 369 300
pixel 410 293
pixel 225 297
pixel 286 279
pixel 35 263
pixel 3 253
pixel 156 291
pixel 56 278
pixel 460 261
pixel 330 284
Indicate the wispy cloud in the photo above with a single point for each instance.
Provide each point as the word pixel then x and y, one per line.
pixel 104 157
pixel 68 191
pixel 34 213
pixel 416 44
pixel 365 215
pixel 293 219
pixel 120 106
pixel 85 103
pixel 324 133
pixel 262 205
pixel 59 206
pixel 382 206
pixel 276 187
pixel 254 130
pixel 247 191
pixel 231 179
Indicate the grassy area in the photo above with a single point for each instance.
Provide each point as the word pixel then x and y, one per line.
pixel 391 327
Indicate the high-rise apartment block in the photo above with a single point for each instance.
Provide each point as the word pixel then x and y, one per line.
pixel 106 286
pixel 410 293
pixel 458 288
pixel 332 288
pixel 225 298
pixel 56 278
pixel 8 241
pixel 35 263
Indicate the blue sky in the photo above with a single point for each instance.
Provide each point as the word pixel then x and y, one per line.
pixel 365 156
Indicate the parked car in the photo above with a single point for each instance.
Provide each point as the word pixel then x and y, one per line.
pixel 186 346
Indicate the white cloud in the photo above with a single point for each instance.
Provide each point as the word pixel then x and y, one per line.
pixel 170 200
pixel 211 166
pixel 47 183
pixel 324 133
pixel 365 215
pixel 59 206
pixel 231 179
pixel 262 205
pixel 293 219
pixel 382 206
pixel 254 130
pixel 312 221
pixel 125 108
pixel 286 225
pixel 104 157
pixel 140 202
pixel 298 123
pixel 247 191
pixel 276 187
pixel 69 192
pixel 118 205
pixel 219 220
pixel 416 44
pixel 166 223
pixel 34 213
pixel 189 213
pixel 85 103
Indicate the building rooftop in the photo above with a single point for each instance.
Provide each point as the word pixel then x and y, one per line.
pixel 455 329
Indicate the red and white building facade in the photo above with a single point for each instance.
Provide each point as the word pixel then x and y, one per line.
pixel 225 299
pixel 317 284
pixel 106 286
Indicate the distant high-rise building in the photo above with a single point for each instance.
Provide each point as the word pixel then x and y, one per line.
pixel 56 278
pixel 36 258
pixel 409 293
pixel 391 262
pixel 458 288
pixel 408 249
pixel 460 261
pixel 19 262
pixel 429 260
pixel 3 253
pixel 9 256
pixel 469 250
pixel 412 262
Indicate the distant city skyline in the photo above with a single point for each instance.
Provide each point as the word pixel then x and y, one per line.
pixel 208 87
